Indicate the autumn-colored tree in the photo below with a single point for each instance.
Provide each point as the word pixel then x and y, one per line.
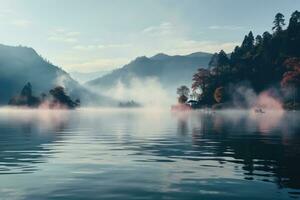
pixel 290 82
pixel 201 80
pixel 220 95
pixel 291 78
pixel 292 64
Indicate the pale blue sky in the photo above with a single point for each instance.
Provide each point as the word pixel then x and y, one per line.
pixel 92 35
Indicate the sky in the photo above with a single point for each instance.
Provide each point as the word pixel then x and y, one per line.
pixel 96 35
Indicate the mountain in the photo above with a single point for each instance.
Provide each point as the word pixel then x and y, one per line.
pixel 20 65
pixel 170 71
pixel 83 77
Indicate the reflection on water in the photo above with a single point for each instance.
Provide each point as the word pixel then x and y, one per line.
pixel 152 154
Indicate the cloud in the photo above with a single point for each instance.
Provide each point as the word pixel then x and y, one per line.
pixel 23 23
pixel 7 12
pixel 85 47
pixel 63 35
pixel 10 17
pixel 73 34
pixel 114 46
pixel 175 40
pixel 97 64
pixel 163 37
pixel 99 47
pixel 188 46
pixel 163 29
pixel 226 27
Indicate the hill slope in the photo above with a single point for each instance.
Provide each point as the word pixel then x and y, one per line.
pixel 19 65
pixel 170 71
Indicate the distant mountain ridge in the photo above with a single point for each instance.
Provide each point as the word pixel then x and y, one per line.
pixel 169 70
pixel 83 77
pixel 20 65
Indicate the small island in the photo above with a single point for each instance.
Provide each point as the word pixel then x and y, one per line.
pixel 129 104
pixel 55 99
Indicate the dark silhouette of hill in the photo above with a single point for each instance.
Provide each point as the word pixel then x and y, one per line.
pixel 169 70
pixel 19 65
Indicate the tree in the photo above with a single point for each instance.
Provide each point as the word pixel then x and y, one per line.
pixel 267 37
pixel 293 34
pixel 201 80
pixel 27 90
pixel 294 20
pixel 25 98
pixel 236 54
pixel 220 95
pixel 248 42
pixel 59 95
pixel 213 61
pixel 292 64
pixel 278 23
pixel 183 91
pixel 250 39
pixel 258 62
pixel 258 40
pixel 223 59
pixel 220 63
pixel 290 82
pixel 182 99
pixel 291 78
pixel 194 95
pixel 204 81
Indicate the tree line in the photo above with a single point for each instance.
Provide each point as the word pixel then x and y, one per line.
pixel 270 60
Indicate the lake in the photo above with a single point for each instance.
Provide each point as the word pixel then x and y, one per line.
pixel 148 154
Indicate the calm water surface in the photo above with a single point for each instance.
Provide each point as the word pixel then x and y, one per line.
pixel 148 154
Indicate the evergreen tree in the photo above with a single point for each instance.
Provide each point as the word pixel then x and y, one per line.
pixel 259 62
pixel 222 63
pixel 213 61
pixel 266 38
pixel 278 23
pixel 223 59
pixel 294 20
pixel 258 40
pixel 27 90
pixel 250 39
pixel 248 42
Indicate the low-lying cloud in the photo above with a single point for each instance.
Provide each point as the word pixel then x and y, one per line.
pixel 148 92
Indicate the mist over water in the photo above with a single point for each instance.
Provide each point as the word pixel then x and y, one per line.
pixel 104 153
pixel 148 92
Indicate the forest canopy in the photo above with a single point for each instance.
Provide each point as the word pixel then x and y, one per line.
pixel 270 60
